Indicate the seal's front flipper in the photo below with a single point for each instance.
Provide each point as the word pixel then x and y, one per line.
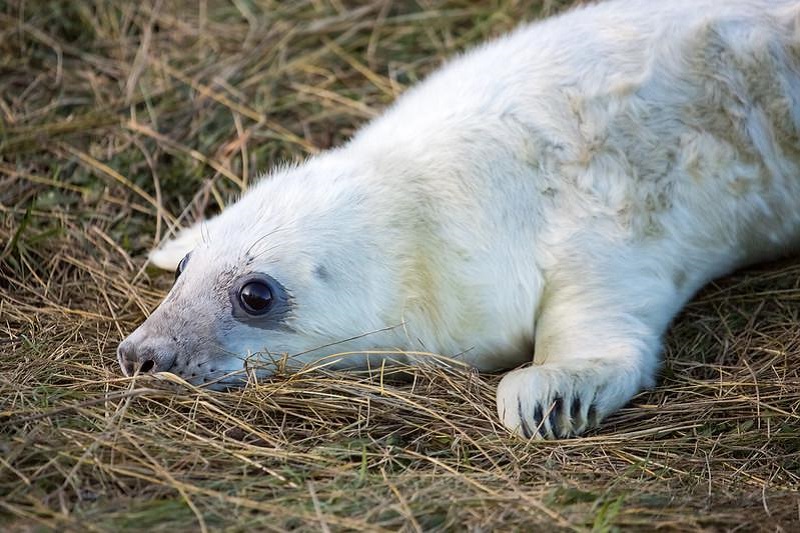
pixel 557 402
pixel 595 349
pixel 170 252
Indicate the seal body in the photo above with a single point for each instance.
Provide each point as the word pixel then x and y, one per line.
pixel 552 198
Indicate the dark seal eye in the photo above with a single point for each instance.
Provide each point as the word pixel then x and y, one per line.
pixel 182 265
pixel 255 297
pixel 260 301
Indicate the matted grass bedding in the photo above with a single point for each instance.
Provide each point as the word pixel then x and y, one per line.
pixel 122 119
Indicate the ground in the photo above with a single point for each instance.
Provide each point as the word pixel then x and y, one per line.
pixel 119 120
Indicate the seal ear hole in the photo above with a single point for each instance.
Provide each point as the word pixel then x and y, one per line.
pixel 148 365
pixel 322 273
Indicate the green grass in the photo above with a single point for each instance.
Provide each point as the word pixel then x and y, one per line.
pixel 119 120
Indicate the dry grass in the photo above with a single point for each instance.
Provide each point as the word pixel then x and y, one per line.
pixel 117 115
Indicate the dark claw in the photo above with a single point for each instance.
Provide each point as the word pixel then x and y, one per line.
pixel 555 411
pixel 592 416
pixel 575 408
pixel 526 429
pixel 558 404
pixel 538 416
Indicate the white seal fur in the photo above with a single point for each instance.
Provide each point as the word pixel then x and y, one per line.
pixel 552 198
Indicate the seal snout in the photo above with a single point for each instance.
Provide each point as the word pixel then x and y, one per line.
pixel 149 355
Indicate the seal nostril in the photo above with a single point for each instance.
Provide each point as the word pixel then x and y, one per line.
pixel 148 365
